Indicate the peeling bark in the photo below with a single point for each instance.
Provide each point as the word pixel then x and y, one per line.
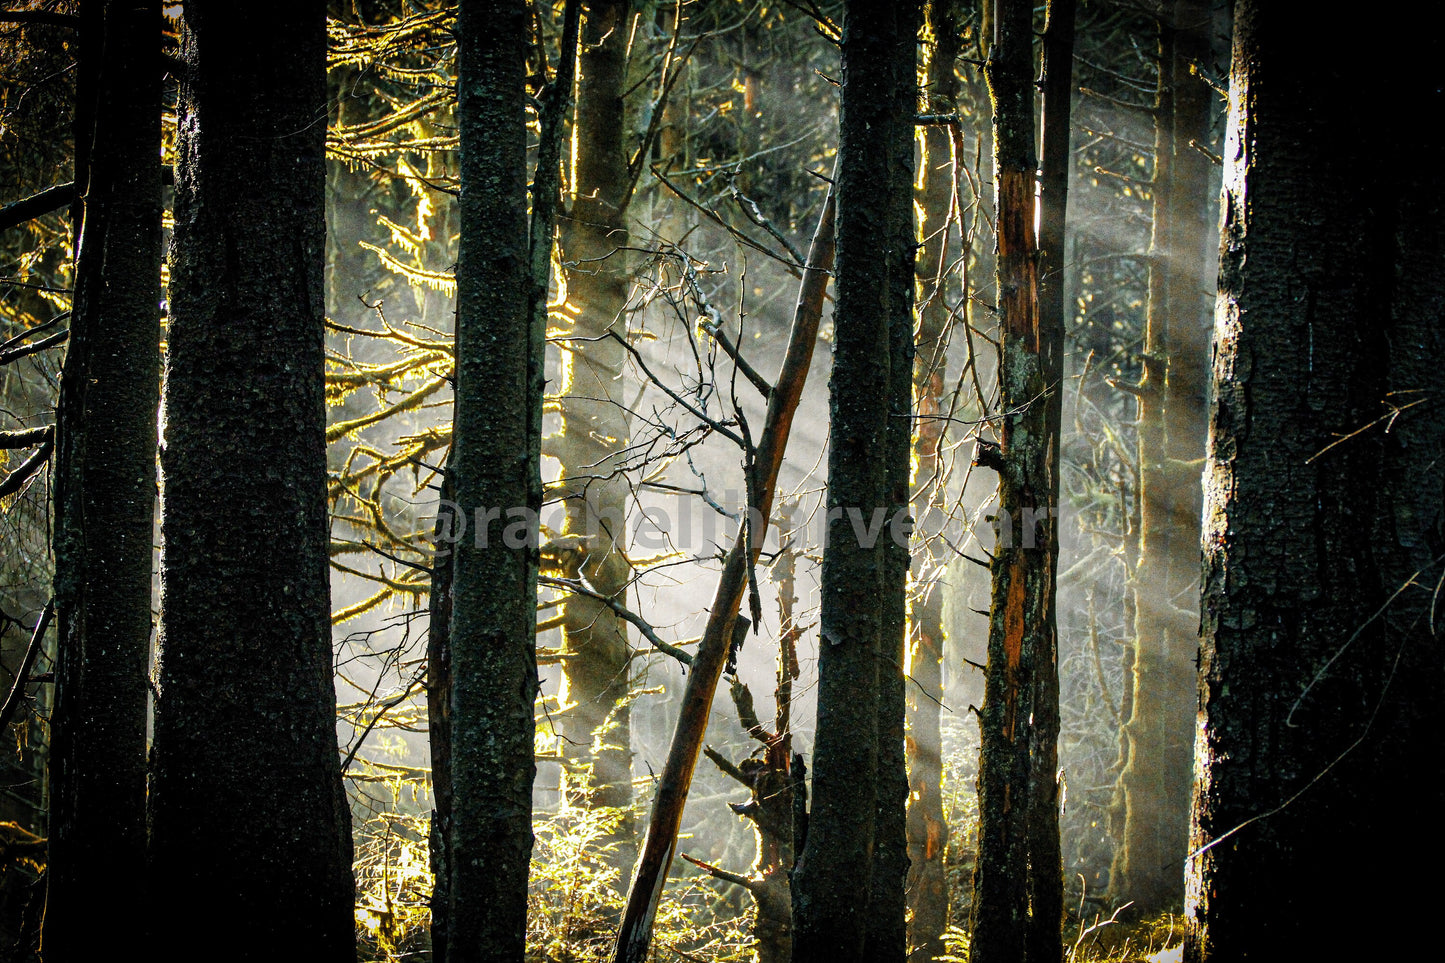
pixel 1018 885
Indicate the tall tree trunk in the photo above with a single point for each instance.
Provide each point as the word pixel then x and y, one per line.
pixel 595 721
pixel 1018 887
pixel 1154 784
pixel 887 938
pixel 106 477
pixel 927 830
pixel 248 816
pixel 860 578
pixel 1320 718
pixel 1046 863
pixel 495 469
pixel 540 247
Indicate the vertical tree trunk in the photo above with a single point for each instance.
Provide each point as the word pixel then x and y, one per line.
pixel 105 476
pixel 1046 864
pixel 439 713
pixel 1154 784
pixel 927 831
pixel 495 468
pixel 248 817
pixel 1018 881
pixel 595 722
pixel 887 937
pixel 1320 718
pixel 860 576
pixel 540 247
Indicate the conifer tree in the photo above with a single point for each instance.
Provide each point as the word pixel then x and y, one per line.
pixel 1318 734
pixel 247 814
pixel 105 473
pixel 863 584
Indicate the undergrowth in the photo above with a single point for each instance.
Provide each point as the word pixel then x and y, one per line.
pixel 574 901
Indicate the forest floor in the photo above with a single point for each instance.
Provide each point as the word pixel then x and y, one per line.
pixel 1107 939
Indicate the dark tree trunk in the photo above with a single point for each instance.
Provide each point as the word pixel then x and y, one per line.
pixel 439 713
pixel 887 938
pixel 248 817
pixel 1318 741
pixel 1046 864
pixel 831 884
pixel 106 486
pixel 495 469
pixel 927 831
pixel 1018 886
pixel 540 246
pixel 1154 784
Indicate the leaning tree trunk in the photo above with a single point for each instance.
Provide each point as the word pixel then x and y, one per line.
pixel 831 883
pixel 1148 866
pixel 1018 886
pixel 495 471
pixel 595 721
pixel 927 830
pixel 248 816
pixel 724 623
pixel 1320 718
pixel 105 480
pixel 770 780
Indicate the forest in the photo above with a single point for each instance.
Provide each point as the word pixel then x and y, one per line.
pixel 721 480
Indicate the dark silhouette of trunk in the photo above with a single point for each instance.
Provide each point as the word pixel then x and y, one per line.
pixel 927 831
pixel 863 582
pixel 495 471
pixel 1158 734
pixel 105 492
pixel 1018 884
pixel 1320 663
pixel 248 817
pixel 445 531
pixel 595 724
pixel 887 916
pixel 502 405
pixel 1046 862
